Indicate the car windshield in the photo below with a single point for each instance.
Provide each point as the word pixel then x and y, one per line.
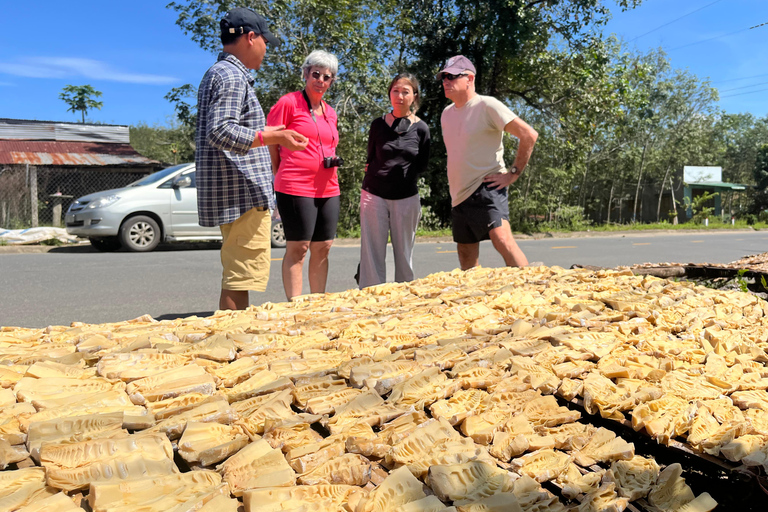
pixel 158 176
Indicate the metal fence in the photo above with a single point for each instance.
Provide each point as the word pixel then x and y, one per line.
pixel 35 196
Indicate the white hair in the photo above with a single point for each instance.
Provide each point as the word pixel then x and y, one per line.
pixel 320 59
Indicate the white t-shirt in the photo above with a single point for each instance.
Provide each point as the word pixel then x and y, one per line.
pixel 473 138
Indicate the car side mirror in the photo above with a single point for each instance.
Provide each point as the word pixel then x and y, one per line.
pixel 181 181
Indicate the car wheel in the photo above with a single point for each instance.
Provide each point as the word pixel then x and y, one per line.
pixel 277 235
pixel 140 234
pixel 106 244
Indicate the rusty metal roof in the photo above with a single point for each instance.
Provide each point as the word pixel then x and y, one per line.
pixel 70 154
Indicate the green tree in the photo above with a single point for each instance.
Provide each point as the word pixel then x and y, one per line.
pixel 186 112
pixel 761 179
pixel 170 145
pixel 80 99
pixel 350 29
pixel 527 53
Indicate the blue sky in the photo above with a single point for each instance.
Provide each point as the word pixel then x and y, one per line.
pixel 134 53
pixel 710 38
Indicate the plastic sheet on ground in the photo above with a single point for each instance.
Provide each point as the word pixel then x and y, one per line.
pixel 35 235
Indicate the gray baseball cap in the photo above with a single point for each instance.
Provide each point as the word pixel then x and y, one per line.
pixel 242 20
pixel 457 64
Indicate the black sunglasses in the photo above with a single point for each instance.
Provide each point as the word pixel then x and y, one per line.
pixel 451 77
pixel 326 78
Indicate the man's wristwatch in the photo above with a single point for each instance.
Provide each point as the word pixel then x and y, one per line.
pixel 514 170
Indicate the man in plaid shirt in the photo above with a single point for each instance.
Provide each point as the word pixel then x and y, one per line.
pixel 234 172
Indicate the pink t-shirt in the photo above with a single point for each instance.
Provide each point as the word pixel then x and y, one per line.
pixel 301 173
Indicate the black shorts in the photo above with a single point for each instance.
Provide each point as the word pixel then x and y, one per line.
pixel 474 218
pixel 311 219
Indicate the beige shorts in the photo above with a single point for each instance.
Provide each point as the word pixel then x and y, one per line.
pixel 246 251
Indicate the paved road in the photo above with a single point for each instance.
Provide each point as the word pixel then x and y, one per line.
pixel 80 284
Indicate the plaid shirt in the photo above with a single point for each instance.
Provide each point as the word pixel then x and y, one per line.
pixel 232 177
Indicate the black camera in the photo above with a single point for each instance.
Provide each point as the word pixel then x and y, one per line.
pixel 332 161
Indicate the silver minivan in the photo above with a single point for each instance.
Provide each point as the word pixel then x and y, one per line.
pixel 161 207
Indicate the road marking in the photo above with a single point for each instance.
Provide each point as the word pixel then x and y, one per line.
pixel 276 259
pixel 644 243
pixel 697 241
pixel 564 247
pixel 444 252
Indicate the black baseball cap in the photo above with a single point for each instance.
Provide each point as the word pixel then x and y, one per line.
pixel 242 20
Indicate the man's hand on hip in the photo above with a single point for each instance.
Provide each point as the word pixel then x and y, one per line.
pixel 501 179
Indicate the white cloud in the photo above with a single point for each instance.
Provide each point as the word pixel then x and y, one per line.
pixel 65 67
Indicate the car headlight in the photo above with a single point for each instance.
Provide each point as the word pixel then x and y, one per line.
pixel 103 202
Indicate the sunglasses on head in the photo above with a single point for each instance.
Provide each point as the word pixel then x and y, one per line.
pixel 451 77
pixel 326 78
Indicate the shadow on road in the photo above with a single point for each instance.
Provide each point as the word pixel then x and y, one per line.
pixel 164 247
pixel 174 316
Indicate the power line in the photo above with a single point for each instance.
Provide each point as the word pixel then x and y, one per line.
pixel 674 20
pixel 737 79
pixel 743 93
pixel 743 87
pixel 717 37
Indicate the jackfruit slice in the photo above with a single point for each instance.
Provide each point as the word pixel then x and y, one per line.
pixel 701 503
pixel 542 465
pixel 29 389
pixel 132 366
pixel 604 446
pixel 217 411
pixel 59 502
pixel 171 383
pixel 348 469
pixel 574 482
pixel 305 498
pixel 155 493
pixel 320 386
pixel 23 487
pixel 237 371
pixel 308 457
pixel 285 438
pixel 463 403
pixel 256 465
pixel 208 443
pixel 469 481
pixel 74 428
pixel 74 466
pixel 603 499
pixel 635 477
pixel 327 404
pixel 418 444
pixel 399 488
pixel 670 491
pixel 424 388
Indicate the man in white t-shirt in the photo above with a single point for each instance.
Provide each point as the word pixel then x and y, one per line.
pixel 473 128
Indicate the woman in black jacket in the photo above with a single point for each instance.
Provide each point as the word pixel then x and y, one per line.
pixel 398 151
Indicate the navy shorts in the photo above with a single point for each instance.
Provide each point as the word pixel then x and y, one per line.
pixel 311 219
pixel 474 218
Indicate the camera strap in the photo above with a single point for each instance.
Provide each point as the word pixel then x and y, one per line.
pixel 317 126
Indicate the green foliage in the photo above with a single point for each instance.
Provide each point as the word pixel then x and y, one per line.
pixel 741 281
pixel 169 145
pixel 351 30
pixel 186 113
pixel 698 205
pixel 616 126
pixel 80 99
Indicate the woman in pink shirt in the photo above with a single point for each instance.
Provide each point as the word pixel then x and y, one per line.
pixel 306 184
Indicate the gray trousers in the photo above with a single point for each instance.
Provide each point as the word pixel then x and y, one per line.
pixel 378 218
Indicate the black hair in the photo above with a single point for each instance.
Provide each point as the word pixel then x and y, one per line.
pixel 227 38
pixel 413 82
